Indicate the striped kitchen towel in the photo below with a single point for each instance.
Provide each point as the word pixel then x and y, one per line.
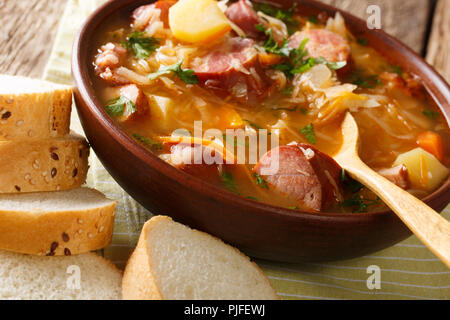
pixel 407 270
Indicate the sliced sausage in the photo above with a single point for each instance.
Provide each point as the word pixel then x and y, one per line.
pixel 233 69
pixel 182 156
pixel 304 174
pixel 234 54
pixel 245 17
pixel 142 15
pixel 322 43
pixel 397 175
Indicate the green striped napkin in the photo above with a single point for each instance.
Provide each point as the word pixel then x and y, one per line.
pixel 407 270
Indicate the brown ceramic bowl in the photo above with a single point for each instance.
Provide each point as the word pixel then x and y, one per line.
pixel 260 230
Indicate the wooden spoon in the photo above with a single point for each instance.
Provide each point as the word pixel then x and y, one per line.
pixel 431 228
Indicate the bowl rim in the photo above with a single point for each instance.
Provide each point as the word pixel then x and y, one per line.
pixel 83 85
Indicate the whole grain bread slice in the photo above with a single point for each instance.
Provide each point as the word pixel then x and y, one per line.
pixel 174 262
pixel 82 277
pixel 43 165
pixel 31 108
pixel 56 223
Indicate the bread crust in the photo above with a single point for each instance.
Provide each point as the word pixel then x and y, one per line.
pixel 40 115
pixel 43 165
pixel 57 233
pixel 139 282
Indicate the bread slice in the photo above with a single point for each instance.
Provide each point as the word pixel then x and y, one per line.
pixel 83 277
pixel 31 108
pixel 43 165
pixel 174 262
pixel 56 223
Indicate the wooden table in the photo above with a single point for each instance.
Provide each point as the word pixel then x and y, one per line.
pixel 28 28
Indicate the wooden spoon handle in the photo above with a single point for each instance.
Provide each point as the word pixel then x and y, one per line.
pixel 430 227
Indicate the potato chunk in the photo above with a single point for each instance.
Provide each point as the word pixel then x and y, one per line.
pixel 197 21
pixel 425 171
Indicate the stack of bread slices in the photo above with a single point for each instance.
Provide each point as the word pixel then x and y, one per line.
pixel 44 210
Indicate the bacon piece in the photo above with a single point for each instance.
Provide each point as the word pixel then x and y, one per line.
pixel 245 17
pixel 142 15
pixel 410 85
pixel 397 175
pixel 322 43
pixel 110 57
pixel 304 174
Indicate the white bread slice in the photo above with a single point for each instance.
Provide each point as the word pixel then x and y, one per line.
pixel 31 108
pixel 174 262
pixel 43 165
pixel 56 223
pixel 25 277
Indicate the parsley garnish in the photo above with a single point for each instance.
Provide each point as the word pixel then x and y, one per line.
pixel 228 182
pixel 284 15
pixel 350 184
pixel 287 91
pixel 148 142
pixel 140 44
pixel 253 198
pixel 121 106
pixel 260 181
pixel 304 111
pixel 362 41
pixel 298 63
pixel 365 81
pixel 187 75
pixel 397 69
pixel 309 133
pixel 271 45
pixel 359 204
pixel 433 115
pixel 313 19
pixel 254 125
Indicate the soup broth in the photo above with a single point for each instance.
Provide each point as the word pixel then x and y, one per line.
pixel 260 67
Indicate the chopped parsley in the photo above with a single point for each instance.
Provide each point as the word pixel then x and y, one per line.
pixel 304 111
pixel 397 69
pixel 309 134
pixel 359 204
pixel 362 41
pixel 253 198
pixel 121 106
pixel 298 63
pixel 140 44
pixel 287 91
pixel 349 183
pixel 313 19
pixel 287 16
pixel 260 181
pixel 433 115
pixel 229 183
pixel 187 75
pixel 147 142
pixel 365 81
pixel 254 125
pixel 294 208
pixel 271 45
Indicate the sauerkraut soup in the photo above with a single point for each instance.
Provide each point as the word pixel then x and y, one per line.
pixel 246 69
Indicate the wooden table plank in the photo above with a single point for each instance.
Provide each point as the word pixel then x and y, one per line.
pixel 28 28
pixel 404 19
pixel 438 53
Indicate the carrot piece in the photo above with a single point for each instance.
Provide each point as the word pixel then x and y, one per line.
pixel 433 143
